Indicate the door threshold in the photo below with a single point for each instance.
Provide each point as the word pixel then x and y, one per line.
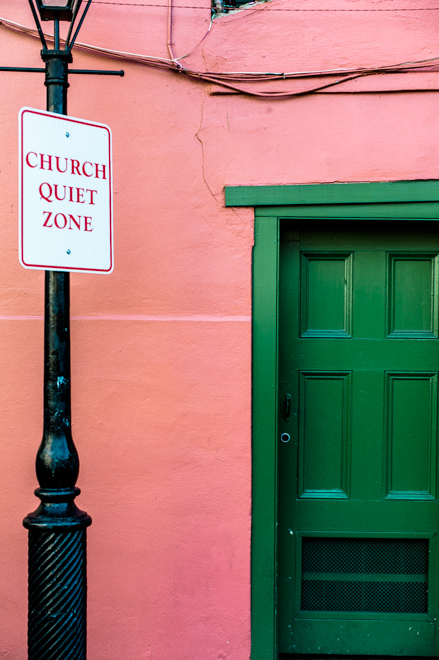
pixel 291 656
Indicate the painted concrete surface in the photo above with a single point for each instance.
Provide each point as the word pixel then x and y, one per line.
pixel 161 349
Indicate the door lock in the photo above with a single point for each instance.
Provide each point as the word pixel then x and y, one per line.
pixel 287 407
pixel 285 437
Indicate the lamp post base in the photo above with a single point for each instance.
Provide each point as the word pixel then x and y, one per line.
pixel 57 595
pixel 57 627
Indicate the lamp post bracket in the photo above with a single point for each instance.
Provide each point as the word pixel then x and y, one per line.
pixel 93 72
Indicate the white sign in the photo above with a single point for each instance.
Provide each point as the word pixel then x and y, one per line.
pixel 66 206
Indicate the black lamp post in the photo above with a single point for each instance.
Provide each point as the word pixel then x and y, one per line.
pixel 57 529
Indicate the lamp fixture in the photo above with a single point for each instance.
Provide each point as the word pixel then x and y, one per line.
pixel 61 9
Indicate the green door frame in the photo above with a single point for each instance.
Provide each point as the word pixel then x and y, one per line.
pixel 394 200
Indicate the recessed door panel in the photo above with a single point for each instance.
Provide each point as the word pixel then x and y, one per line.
pixel 324 434
pixel 411 434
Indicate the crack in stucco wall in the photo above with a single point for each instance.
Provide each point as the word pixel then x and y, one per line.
pixel 197 135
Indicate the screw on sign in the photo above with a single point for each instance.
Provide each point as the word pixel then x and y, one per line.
pixel 65 193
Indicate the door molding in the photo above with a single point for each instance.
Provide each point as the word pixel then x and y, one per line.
pixel 390 200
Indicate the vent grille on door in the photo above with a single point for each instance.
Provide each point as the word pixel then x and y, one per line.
pixel 364 575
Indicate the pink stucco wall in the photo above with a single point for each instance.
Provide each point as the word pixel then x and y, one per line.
pixel 161 349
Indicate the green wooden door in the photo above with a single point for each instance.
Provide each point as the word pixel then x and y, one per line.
pixel 357 444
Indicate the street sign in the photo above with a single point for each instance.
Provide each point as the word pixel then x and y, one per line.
pixel 66 207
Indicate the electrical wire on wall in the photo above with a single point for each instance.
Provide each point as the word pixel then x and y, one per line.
pixel 235 79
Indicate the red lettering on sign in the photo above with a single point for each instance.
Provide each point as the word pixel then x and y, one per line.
pixel 91 195
pixel 77 222
pixel 48 190
pixel 83 169
pixel 55 187
pixel 63 217
pixel 61 165
pixel 48 214
pixel 61 221
pixel 27 158
pixel 45 159
pixel 58 167
pixel 100 168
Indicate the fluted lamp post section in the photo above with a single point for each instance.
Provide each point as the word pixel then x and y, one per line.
pixel 57 529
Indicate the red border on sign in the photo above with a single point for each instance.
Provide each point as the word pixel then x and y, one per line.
pixel 76 121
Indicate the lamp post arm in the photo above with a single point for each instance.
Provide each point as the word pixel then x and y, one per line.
pixel 70 45
pixel 72 22
pixel 93 72
pixel 38 24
